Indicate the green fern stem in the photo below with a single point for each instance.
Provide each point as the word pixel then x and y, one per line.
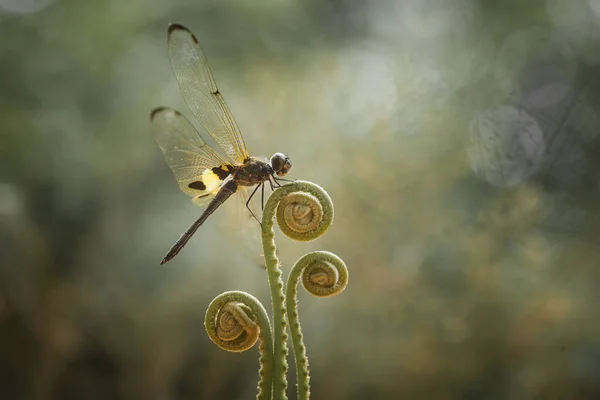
pixel 304 212
pixel 234 321
pixel 323 274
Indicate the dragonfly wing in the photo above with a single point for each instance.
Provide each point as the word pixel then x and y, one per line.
pixel 248 207
pixel 199 170
pixel 200 91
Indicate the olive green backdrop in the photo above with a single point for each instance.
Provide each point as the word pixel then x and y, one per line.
pixel 459 140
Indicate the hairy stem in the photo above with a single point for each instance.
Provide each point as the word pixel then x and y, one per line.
pixel 280 350
pixel 234 321
pixel 304 212
pixel 323 274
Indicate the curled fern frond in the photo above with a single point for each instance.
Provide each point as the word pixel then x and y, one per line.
pixel 323 274
pixel 235 321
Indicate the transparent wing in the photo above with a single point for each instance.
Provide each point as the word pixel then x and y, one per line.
pixel 192 161
pixel 241 227
pixel 200 91
pixel 254 207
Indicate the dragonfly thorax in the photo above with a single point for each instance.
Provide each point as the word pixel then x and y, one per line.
pixel 252 172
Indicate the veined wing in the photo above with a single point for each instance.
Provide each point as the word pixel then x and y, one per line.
pixel 199 170
pixel 200 91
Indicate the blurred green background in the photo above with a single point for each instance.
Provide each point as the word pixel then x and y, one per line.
pixel 457 138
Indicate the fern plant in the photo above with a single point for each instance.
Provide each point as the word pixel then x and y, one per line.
pixel 236 320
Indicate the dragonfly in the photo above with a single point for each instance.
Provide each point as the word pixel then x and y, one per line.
pixel 201 172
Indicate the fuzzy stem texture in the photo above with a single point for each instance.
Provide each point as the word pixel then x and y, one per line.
pixel 304 212
pixel 234 321
pixel 323 274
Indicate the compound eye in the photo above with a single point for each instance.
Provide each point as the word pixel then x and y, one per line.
pixel 278 162
pixel 287 165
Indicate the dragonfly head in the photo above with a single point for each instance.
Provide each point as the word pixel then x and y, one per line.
pixel 281 164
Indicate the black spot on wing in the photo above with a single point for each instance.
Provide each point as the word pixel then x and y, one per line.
pixel 156 111
pixel 178 27
pixel 198 185
pixel 216 92
pixel 221 173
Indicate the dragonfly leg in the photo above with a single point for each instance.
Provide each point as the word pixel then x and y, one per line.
pixel 262 197
pixel 271 183
pixel 278 180
pixel 248 203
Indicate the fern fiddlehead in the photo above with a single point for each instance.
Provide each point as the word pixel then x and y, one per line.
pixel 323 274
pixel 234 321
pixel 304 212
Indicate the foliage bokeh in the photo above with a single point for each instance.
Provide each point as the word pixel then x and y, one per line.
pixel 458 140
